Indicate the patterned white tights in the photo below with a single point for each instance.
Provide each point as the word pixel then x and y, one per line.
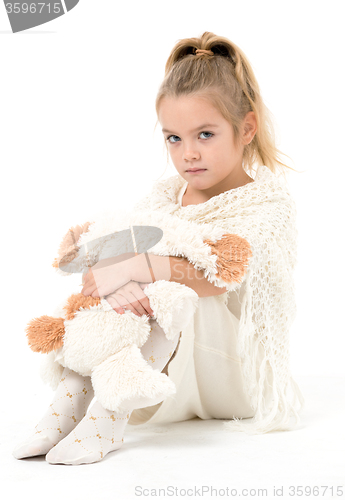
pixel 101 431
pixel 69 406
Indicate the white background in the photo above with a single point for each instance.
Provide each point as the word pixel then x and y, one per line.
pixel 77 136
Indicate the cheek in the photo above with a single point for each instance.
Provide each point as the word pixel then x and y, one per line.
pixel 227 151
pixel 218 155
pixel 220 149
pixel 172 150
pixel 175 153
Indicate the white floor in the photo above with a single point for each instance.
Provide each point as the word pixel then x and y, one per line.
pixel 189 458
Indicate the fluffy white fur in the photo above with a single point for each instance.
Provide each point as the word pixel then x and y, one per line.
pixel 51 370
pixel 105 345
pixel 125 376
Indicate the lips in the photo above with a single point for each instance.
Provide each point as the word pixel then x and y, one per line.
pixel 196 170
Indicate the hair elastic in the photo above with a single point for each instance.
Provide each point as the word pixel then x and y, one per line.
pixel 204 51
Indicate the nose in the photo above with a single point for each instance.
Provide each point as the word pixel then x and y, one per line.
pixel 190 155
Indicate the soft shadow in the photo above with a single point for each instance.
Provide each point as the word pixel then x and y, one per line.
pixel 26 32
pixel 38 458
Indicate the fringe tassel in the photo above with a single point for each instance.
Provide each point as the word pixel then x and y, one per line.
pixel 266 419
pixel 278 417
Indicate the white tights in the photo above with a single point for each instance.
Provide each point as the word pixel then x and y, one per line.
pixel 67 434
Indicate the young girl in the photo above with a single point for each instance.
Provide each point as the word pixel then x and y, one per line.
pixel 232 360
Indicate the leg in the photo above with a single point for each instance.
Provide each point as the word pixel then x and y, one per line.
pixel 72 398
pixel 101 431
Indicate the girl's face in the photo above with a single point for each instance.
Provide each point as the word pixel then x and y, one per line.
pixel 199 137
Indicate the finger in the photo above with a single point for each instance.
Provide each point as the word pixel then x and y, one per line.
pixel 129 307
pixel 146 304
pixel 133 303
pixel 89 285
pixel 88 290
pixel 142 303
pixel 115 305
pixel 121 302
pixel 88 276
pixel 143 299
pixel 92 288
pixel 144 285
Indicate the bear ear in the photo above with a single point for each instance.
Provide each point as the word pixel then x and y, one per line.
pixel 68 249
pixel 233 254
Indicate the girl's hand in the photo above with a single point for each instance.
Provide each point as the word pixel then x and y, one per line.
pixel 130 295
pixel 106 276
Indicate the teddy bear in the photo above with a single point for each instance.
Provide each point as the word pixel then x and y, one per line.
pixel 86 335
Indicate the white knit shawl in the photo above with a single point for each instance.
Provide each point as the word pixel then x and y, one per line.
pixel 263 212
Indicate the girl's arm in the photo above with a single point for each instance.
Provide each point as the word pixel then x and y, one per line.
pixel 176 269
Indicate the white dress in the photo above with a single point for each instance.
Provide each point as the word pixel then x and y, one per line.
pixel 205 366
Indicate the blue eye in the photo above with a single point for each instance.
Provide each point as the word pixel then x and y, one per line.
pixel 210 133
pixel 167 139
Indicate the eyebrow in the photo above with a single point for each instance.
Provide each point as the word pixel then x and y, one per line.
pixel 198 128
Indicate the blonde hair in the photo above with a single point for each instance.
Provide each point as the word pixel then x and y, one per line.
pixel 227 80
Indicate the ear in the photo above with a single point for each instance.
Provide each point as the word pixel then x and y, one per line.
pixel 68 249
pixel 249 127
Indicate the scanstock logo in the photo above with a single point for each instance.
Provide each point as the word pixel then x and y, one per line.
pixel 26 15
